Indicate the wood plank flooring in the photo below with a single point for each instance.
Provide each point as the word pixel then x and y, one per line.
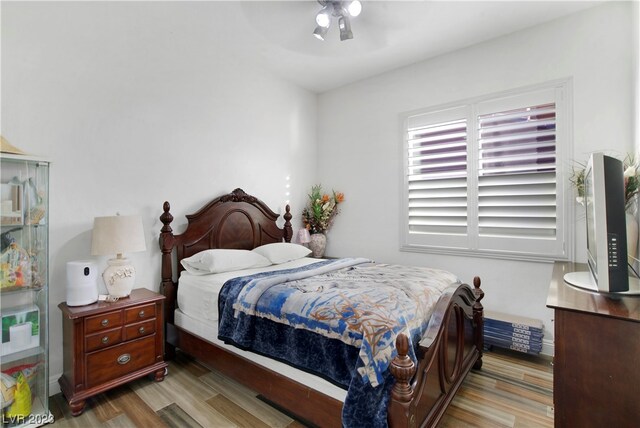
pixel 511 390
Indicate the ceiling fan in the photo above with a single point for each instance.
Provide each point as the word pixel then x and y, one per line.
pixel 342 11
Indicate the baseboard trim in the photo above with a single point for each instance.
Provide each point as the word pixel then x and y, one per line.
pixel 548 347
pixel 54 386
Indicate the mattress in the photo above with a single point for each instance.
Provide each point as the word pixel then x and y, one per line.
pixel 198 313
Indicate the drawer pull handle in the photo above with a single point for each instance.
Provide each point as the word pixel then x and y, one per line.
pixel 141 314
pixel 124 358
pixel 141 330
pixel 105 339
pixel 105 322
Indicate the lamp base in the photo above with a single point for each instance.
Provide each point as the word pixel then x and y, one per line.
pixel 119 277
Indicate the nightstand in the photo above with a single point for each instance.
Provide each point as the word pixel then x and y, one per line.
pixel 106 345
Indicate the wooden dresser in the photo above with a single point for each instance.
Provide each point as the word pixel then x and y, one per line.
pixel 108 344
pixel 596 372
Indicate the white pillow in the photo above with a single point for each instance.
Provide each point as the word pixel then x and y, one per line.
pixel 219 260
pixel 282 252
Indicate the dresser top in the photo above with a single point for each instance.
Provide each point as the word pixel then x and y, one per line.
pixel 564 296
pixel 138 296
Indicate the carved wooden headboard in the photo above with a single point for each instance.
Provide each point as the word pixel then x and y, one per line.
pixel 233 221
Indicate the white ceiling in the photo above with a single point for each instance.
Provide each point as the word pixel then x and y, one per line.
pixel 277 36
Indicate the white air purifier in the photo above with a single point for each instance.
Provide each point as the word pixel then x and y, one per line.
pixel 82 283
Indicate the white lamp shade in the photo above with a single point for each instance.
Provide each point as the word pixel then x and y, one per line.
pixel 117 235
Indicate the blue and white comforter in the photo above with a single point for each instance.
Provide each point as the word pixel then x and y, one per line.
pixel 362 305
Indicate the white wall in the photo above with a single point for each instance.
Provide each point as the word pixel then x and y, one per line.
pixel 132 110
pixel 359 137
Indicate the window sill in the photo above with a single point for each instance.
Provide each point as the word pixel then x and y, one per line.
pixel 503 255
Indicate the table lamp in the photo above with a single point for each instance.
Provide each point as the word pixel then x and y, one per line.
pixel 117 235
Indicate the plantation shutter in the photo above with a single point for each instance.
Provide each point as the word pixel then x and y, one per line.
pixel 437 177
pixel 486 177
pixel 517 173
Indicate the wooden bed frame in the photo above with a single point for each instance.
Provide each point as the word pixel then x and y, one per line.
pixel 451 346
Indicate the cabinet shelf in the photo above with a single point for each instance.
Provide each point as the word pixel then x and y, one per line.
pixel 22 355
pixel 6 227
pixel 21 289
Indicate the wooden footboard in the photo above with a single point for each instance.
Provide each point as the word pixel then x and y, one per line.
pixel 451 347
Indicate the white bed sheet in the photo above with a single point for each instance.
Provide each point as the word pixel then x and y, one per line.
pixel 198 313
pixel 198 294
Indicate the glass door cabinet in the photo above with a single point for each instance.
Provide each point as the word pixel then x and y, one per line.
pixel 24 290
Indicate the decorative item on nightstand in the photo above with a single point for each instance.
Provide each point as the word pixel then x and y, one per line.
pixel 117 235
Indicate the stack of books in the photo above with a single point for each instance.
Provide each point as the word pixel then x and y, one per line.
pixel 513 332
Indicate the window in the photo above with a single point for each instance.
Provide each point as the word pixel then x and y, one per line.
pixel 485 176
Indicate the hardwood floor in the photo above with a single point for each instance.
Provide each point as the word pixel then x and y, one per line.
pixel 511 390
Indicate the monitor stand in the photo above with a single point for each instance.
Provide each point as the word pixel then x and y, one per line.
pixel 583 280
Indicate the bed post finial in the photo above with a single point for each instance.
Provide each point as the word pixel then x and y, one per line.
pixel 478 291
pixel 403 369
pixel 288 230
pixel 166 218
pixel 478 319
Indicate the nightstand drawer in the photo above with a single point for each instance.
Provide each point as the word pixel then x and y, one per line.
pixel 144 328
pixel 103 322
pixel 103 339
pixel 139 313
pixel 103 366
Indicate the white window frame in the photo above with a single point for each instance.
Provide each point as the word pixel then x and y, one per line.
pixel 472 243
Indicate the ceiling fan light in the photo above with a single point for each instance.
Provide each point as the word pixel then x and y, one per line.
pixel 345 28
pixel 320 32
pixel 342 10
pixel 323 18
pixel 354 8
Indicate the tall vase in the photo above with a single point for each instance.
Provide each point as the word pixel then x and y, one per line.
pixel 632 237
pixel 317 244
